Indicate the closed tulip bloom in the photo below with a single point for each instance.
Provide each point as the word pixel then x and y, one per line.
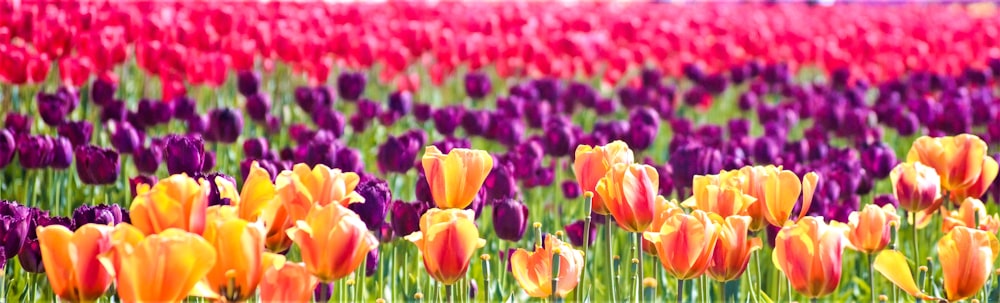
pixel 177 202
pixel 289 282
pixel 7 147
pixel 162 267
pixel 147 160
pixel 732 249
pixel 510 219
pixel 224 125
pixel 14 221
pixel 35 152
pixel 184 154
pixel 377 197
pixel 629 192
pixel 247 82
pixel 809 253
pixel 972 214
pixel 958 160
pixel 97 166
pixel 75 272
pixel 104 214
pixel 982 183
pixel 62 153
pixel 405 217
pixel 870 230
pixel 591 164
pixel 125 138
pixel 721 194
pixel 575 233
pixel 301 188
pixel 966 256
pixel 241 263
pixel 477 85
pixel 78 132
pixel 333 241
pixel 350 85
pixel 916 186
pixel 533 270
pixel 447 240
pixel 455 178
pixel 685 242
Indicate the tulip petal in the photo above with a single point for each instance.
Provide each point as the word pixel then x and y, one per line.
pixel 893 266
pixel 809 184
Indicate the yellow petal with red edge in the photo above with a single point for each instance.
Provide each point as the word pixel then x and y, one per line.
pixel 809 184
pixel 257 192
pixel 893 266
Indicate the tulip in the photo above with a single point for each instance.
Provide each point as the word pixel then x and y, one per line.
pixel 177 202
pixel 140 180
pixel 30 257
pixel 500 184
pixel 208 162
pixel 972 214
pixel 224 125
pixel 255 148
pixel 7 147
pixel 141 264
pixel 446 119
pixel 125 138
pixel 328 119
pixel 982 183
pixel 629 192
pixel 721 194
pixel 685 243
pixel 916 186
pixel 35 152
pixel 349 160
pixel 591 164
pixel 377 197
pixel 397 154
pixel 958 160
pixel 247 82
pixel 18 124
pixel 53 108
pixel 258 106
pixel 533 270
pixel 455 178
pixel 966 257
pixel 732 249
pixel 301 188
pixel 78 132
pixel 571 190
pixel 62 153
pixel 476 122
pixel 102 91
pixel 104 214
pixel 350 85
pixel 289 282
pixel 184 154
pixel 400 103
pixel 333 241
pixel 809 253
pixel 575 233
pixel 894 266
pixel 870 230
pixel 447 240
pixel 510 219
pixel 691 159
pixel 405 217
pixel 75 272
pixel 781 191
pixel 97 166
pixel 241 263
pixel 477 85
pixel 14 219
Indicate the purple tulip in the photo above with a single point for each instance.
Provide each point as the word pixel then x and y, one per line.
pixel 208 162
pixel 125 138
pixel 447 119
pixel 575 233
pixel 8 146
pixel 35 152
pixel 184 154
pixel 476 122
pixel 401 103
pixel 140 179
pixel 224 125
pixel 197 124
pixel 320 152
pixel 254 148
pixel 102 91
pixel 147 160
pixel 30 257
pixel 329 119
pixel 559 140
pixel 78 132
pixel 549 89
pixel 693 159
pixel 477 85
pixel 14 219
pixel 570 189
pixel 500 184
pixel 447 144
pixel 422 111
pixel 258 106
pixel 105 214
pixel 349 160
pixel 247 82
pixel 97 166
pixel 377 198
pixel 215 193
pixel 398 154
pixel 405 217
pixel 371 262
pixel 62 153
pixel 156 112
pixel 886 199
pixel 323 292
pixel 350 85
pixel 878 159
pixel 537 113
pixel 422 189
pixel 52 108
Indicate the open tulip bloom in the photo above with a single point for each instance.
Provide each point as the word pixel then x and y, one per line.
pixel 177 151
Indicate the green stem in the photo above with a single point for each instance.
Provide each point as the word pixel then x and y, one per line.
pixel 584 291
pixel 638 273
pixel 871 276
pixel 486 278
pixel 791 295
pixel 611 271
pixel 449 294
pixel 916 241
pixel 680 291
pixel 556 260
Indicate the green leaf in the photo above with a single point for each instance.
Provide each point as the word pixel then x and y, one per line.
pixel 861 283
pixel 763 295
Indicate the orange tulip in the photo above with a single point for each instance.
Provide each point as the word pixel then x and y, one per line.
pixel 276 222
pixel 809 253
pixel 966 257
pixel 663 210
pixel 870 229
pixel 455 178
pixel 163 267
pixel 781 191
pixel 917 187
pixel 629 192
pixel 732 249
pixel 301 188
pixel 721 194
pixel 591 164
pixel 447 238
pixel 755 179
pixel 893 265
pixel 241 261
pixel 958 160
pixel 983 182
pixel 333 241
pixel 71 260
pixel 177 201
pixel 257 193
pixel 533 270
pixel 971 214
pixel 685 243
pixel 288 282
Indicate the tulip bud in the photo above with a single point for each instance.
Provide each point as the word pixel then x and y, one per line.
pixel 248 82
pixel 398 154
pixel 571 190
pixel 102 91
pixel 62 153
pixel 78 132
pixel 184 154
pixel 510 219
pixel 559 140
pixel 208 162
pixel 224 125
pixel 371 262
pixel 915 186
pixel 323 292
pixel 197 124
pixel 7 147
pixel 184 108
pixel 258 106
pixel 422 111
pixel 350 85
pixel 30 257
pixel 52 108
pixel 330 120
pixel 477 85
pixel 476 122
pixel 18 124
pixel 254 148
pixel 400 103
pixel 125 138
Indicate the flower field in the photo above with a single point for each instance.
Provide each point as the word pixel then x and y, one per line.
pixel 166 151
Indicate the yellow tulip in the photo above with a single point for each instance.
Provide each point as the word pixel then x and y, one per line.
pixel 721 194
pixel 333 241
pixel 781 192
pixel 257 193
pixel 591 163
pixel 732 249
pixel 629 192
pixel 972 214
pixel 966 257
pixel 809 253
pixel 302 188
pixel 870 229
pixel 240 263
pixel 982 183
pixel 455 178
pixel 447 239
pixel 957 159
pixel 685 243
pixel 755 179
pixel 916 186
pixel 663 210
pixel 71 260
pixel 533 270
pixel 288 282
pixel 163 267
pixel 177 201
